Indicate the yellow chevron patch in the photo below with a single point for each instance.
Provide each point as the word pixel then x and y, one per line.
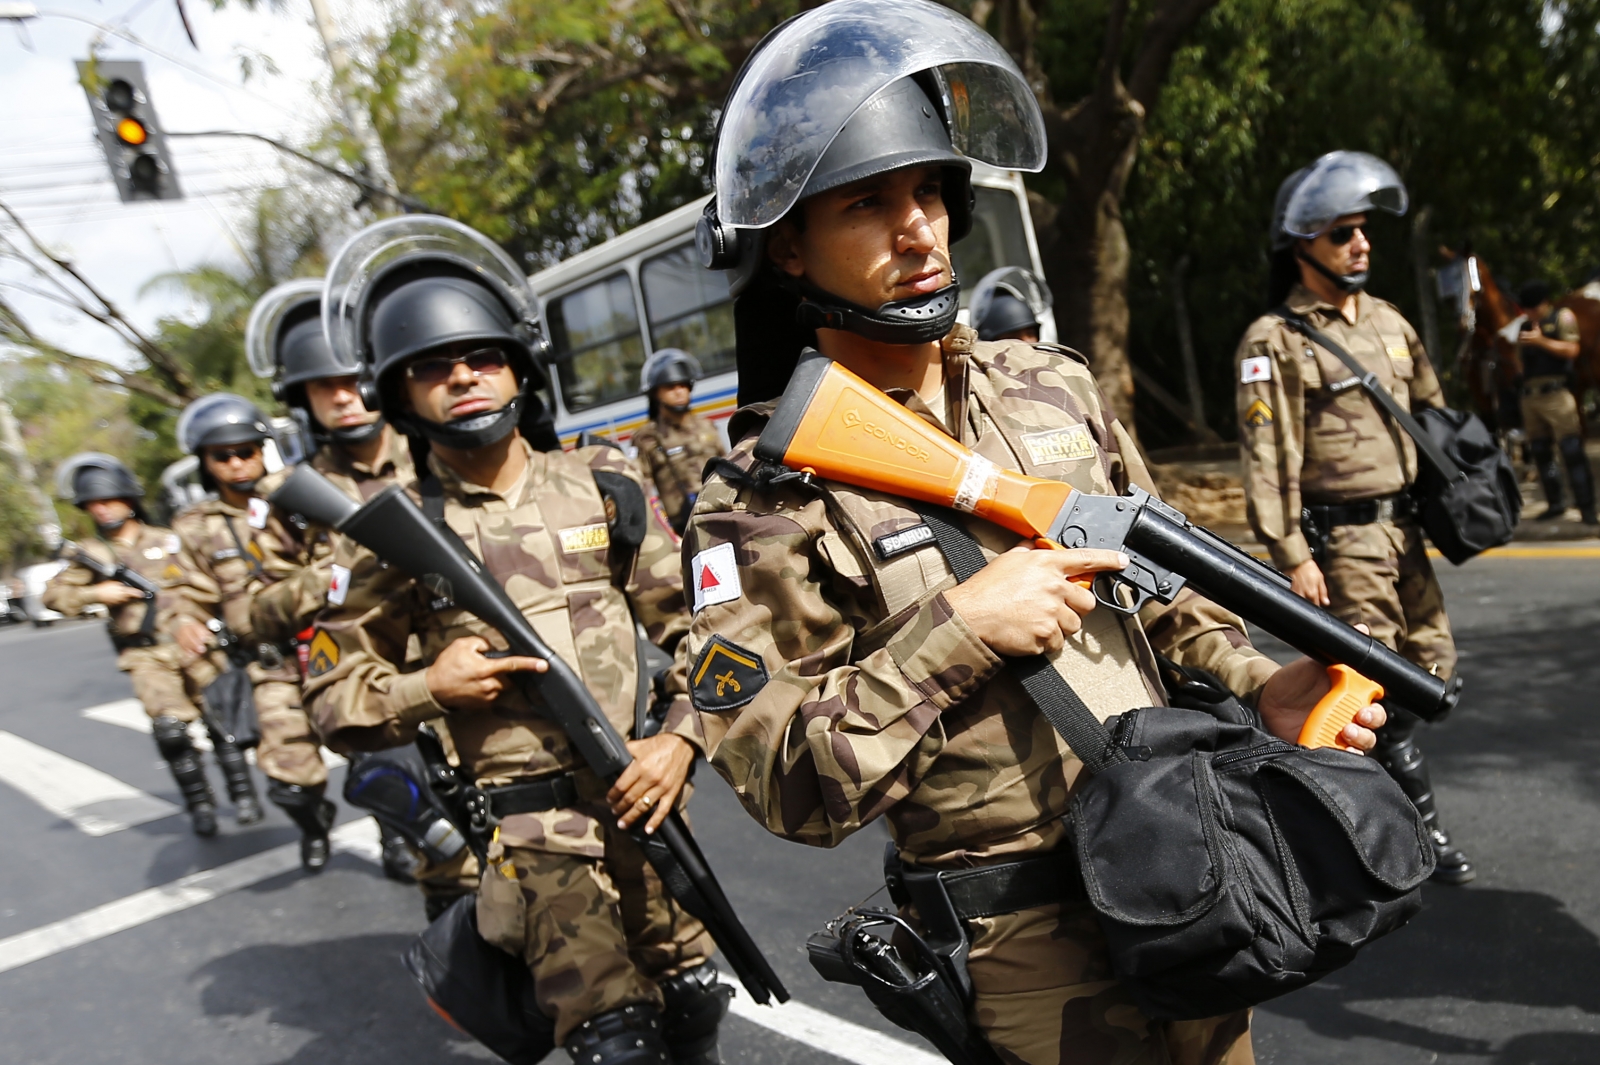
pixel 1258 415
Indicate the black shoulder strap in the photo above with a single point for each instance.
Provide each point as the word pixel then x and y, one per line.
pixel 250 559
pixel 1369 381
pixel 1055 698
pixel 431 489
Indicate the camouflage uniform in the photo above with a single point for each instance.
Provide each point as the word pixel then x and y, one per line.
pixel 229 554
pixel 1549 409
pixel 1304 443
pixel 592 923
pixel 153 667
pixel 675 456
pixel 866 695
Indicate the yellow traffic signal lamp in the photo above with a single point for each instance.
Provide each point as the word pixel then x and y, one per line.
pixel 128 130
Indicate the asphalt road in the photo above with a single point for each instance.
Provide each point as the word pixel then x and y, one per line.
pixel 305 969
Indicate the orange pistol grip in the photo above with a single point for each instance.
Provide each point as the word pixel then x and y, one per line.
pixel 1351 693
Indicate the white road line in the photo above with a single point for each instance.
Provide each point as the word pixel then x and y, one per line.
pixel 356 837
pixel 129 714
pixel 833 1035
pixel 97 803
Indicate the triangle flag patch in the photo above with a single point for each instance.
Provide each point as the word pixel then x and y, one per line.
pixel 716 576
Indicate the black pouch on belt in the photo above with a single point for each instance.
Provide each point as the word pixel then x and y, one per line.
pixel 230 708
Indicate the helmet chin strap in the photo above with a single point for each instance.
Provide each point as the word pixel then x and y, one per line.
pixel 356 434
pixel 1346 282
pixel 918 320
pixel 474 430
pixel 677 408
pixel 111 528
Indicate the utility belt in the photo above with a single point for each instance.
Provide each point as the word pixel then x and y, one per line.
pixel 132 640
pixel 1544 387
pixel 1318 520
pixel 942 898
pixel 533 796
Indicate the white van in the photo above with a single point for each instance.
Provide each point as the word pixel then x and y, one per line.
pixel 608 308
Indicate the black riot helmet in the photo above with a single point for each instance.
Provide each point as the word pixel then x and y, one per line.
pixel 845 91
pixel 284 342
pixel 92 475
pixel 668 366
pixel 1312 198
pixel 218 420
pixel 1007 301
pixel 409 285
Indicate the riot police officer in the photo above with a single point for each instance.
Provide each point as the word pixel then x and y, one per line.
pixel 1548 347
pixel 1008 305
pixel 353 448
pixel 111 495
pixel 841 673
pixel 676 443
pixel 1327 475
pixel 233 545
pixel 449 330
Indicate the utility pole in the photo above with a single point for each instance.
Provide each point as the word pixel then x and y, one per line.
pixel 11 444
pixel 1191 366
pixel 355 116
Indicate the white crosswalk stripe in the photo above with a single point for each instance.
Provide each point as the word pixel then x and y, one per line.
pixel 129 714
pixel 97 803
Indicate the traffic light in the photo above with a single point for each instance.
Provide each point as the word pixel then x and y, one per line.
pixel 126 124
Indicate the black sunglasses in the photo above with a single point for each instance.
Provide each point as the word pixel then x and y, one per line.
pixel 437 370
pixel 1339 236
pixel 244 452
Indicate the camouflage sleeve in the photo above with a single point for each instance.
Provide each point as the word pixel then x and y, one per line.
pixel 284 608
pixel 1567 327
pixel 193 595
pixel 1192 630
pixel 1425 388
pixel 1271 410
pixel 69 591
pixel 648 447
pixel 827 741
pixel 355 692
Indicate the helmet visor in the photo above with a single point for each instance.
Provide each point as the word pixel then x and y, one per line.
pixel 1339 184
pixel 369 254
pixel 261 332
pixel 1013 281
pixel 801 89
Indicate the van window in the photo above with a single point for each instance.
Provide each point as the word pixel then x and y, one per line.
pixel 997 239
pixel 595 333
pixel 689 307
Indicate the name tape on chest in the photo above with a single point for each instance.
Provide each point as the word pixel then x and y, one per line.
pixel 258 510
pixel 1255 368
pixel 898 543
pixel 322 655
pixel 725 676
pixel 716 577
pixel 1059 445
pixel 338 585
pixel 579 538
pixel 674 452
pixel 1400 355
pixel 154 554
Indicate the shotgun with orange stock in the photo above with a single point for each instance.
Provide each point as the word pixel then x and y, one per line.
pixel 834 425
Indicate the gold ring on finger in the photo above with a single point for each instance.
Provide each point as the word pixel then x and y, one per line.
pixel 647 802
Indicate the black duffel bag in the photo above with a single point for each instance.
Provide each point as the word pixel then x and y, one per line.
pixel 480 988
pixel 1227 867
pixel 230 708
pixel 1466 489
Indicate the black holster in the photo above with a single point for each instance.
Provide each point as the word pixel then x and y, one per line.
pixel 1316 536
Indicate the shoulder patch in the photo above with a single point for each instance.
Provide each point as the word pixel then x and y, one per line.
pixel 1072 444
pixel 174 545
pixel 322 655
pixel 716 577
pixel 1258 415
pixel 338 585
pixel 725 676
pixel 1254 368
pixel 258 510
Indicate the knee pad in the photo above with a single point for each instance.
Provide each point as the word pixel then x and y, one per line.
pixel 630 1035
pixel 172 737
pixel 696 1004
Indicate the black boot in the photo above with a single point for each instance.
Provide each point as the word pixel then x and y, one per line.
pixel 1543 453
pixel 630 1035
pixel 236 771
pixel 696 1004
pixel 1581 476
pixel 172 740
pixel 399 863
pixel 1405 764
pixel 307 808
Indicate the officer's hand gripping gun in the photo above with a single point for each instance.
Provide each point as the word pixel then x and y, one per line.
pixel 395 529
pixel 116 571
pixel 832 424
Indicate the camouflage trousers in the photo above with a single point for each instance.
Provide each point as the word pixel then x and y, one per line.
pixel 597 933
pixel 159 682
pixel 1045 995
pixel 1551 415
pixel 1379 575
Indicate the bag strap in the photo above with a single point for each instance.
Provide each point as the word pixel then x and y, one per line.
pixel 1369 381
pixel 1049 690
pixel 250 559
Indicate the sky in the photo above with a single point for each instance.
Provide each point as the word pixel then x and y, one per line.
pixel 54 174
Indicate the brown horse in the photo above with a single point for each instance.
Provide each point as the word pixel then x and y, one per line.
pixel 1488 360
